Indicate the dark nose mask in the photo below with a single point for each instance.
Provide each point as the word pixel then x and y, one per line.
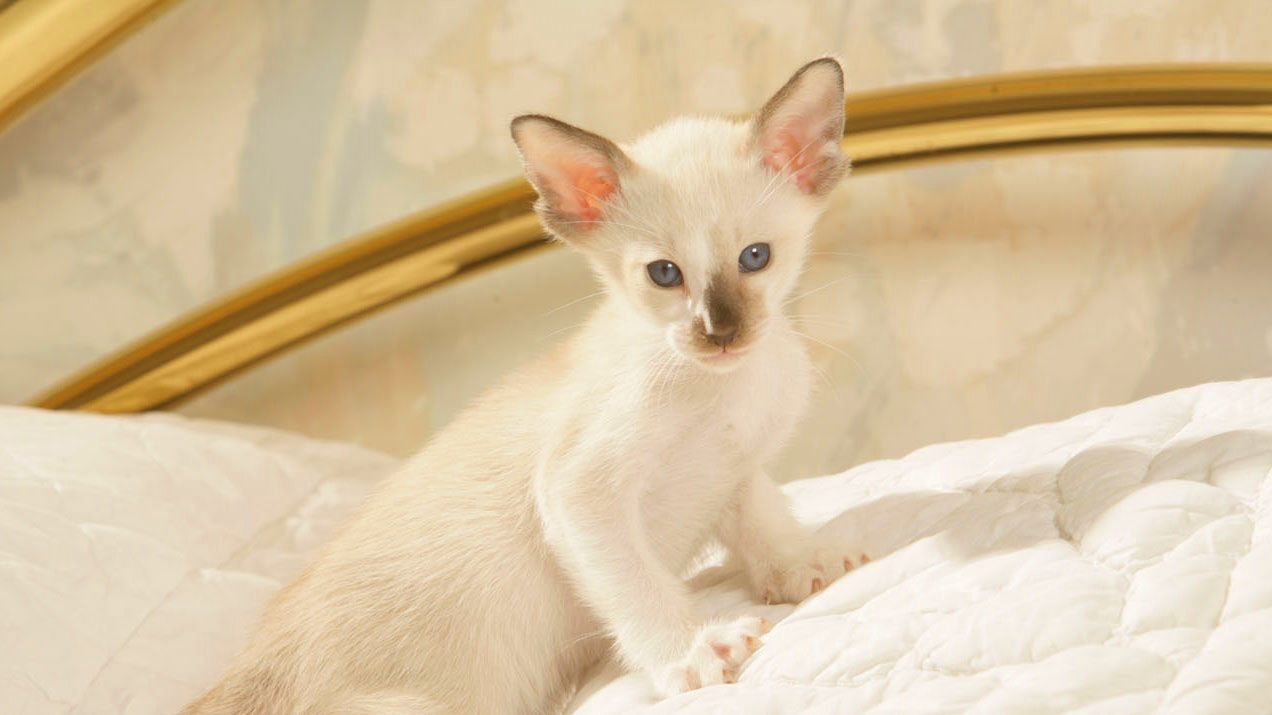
pixel 723 321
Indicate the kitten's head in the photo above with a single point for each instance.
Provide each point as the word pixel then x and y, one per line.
pixel 702 225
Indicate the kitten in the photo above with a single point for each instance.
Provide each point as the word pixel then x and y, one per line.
pixel 556 517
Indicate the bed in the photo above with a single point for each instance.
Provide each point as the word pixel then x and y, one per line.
pixel 1116 562
pixel 1119 561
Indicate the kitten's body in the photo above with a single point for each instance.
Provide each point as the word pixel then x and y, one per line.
pixel 468 603
pixel 557 516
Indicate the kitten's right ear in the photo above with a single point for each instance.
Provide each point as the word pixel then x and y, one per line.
pixel 575 172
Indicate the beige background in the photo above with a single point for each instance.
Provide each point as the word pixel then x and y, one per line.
pixel 232 137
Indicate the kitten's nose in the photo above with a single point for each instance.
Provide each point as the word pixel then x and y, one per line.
pixel 723 335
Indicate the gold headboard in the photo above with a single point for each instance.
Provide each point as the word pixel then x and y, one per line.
pixel 1188 104
pixel 44 42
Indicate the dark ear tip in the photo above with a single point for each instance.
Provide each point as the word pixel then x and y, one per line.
pixel 828 62
pixel 520 121
pixel 524 121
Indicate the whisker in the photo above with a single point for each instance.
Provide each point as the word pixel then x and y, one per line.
pixel 654 386
pixel 576 300
pixel 558 331
pixel 797 316
pixel 842 254
pixel 666 375
pixel 831 388
pixel 820 320
pixel 771 187
pixel 571 643
pixel 815 290
pixel 830 347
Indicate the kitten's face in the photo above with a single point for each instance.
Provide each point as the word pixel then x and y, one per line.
pixel 706 242
pixel 701 226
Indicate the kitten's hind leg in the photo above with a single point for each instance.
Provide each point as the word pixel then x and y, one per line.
pixel 384 703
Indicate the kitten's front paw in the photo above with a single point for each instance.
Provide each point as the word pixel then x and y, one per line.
pixel 815 571
pixel 717 652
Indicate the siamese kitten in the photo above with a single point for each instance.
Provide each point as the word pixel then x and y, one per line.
pixel 557 516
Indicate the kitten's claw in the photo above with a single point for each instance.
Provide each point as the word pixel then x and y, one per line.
pixel 715 656
pixel 812 574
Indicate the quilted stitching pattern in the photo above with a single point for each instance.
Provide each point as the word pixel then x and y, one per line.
pixel 1117 562
pixel 135 553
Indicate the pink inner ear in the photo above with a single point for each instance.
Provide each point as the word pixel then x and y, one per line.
pixel 782 153
pixel 586 186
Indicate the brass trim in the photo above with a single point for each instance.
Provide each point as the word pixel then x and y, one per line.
pixel 43 43
pixel 1190 104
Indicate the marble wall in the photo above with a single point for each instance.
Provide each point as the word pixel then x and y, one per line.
pixel 232 137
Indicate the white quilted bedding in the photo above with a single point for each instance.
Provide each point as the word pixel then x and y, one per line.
pixel 1117 562
pixel 136 553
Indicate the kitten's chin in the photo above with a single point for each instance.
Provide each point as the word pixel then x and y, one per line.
pixel 721 362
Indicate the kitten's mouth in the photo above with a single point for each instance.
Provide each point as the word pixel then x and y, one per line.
pixel 724 359
pixel 724 354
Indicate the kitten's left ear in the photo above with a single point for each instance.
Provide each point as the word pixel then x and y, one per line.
pixel 798 131
pixel 577 173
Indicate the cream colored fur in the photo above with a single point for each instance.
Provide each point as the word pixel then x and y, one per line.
pixel 557 516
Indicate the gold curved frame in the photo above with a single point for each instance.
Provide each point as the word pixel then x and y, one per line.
pixel 1224 104
pixel 43 43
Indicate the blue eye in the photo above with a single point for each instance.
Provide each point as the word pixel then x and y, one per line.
pixel 754 257
pixel 665 274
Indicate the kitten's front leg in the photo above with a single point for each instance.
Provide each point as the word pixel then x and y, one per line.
pixel 592 526
pixel 784 561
